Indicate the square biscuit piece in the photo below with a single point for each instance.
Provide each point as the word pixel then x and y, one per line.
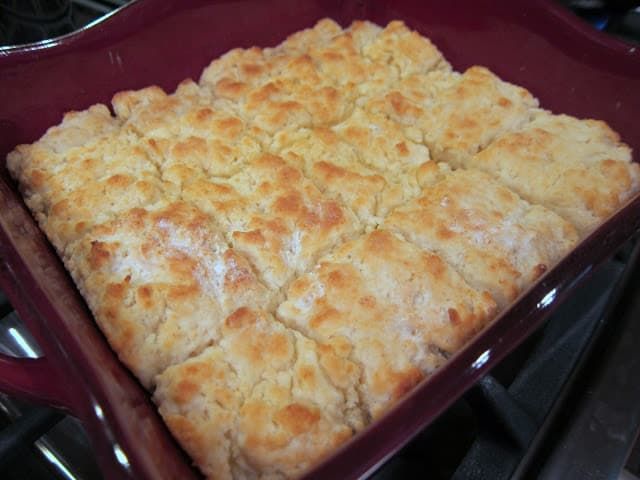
pixel 341 62
pixel 578 168
pixel 77 130
pixel 187 132
pixel 496 240
pixel 382 144
pixel 399 311
pixel 160 283
pixel 297 96
pixel 241 69
pixel 405 50
pixel 458 114
pixel 368 58
pixel 356 164
pixel 266 402
pixel 333 166
pixel 277 88
pixel 274 216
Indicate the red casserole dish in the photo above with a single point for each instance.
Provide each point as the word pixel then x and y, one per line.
pixel 568 66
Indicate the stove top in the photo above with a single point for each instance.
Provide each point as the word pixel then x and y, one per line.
pixel 563 405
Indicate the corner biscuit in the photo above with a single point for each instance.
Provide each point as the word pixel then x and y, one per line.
pixel 32 165
pixel 87 185
pixel 77 129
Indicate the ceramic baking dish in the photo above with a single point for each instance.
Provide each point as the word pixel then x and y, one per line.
pixel 567 65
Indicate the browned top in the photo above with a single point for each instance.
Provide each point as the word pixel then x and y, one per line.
pixel 396 309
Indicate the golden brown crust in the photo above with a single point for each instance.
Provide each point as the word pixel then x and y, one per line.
pixel 277 88
pixel 187 131
pixel 382 144
pixel 405 50
pixel 160 282
pixel 263 402
pixel 274 216
pixel 588 173
pixel 81 172
pixel 496 240
pixel 400 311
pixel 363 170
pixel 457 114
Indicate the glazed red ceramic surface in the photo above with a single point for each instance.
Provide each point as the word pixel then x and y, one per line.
pixel 567 65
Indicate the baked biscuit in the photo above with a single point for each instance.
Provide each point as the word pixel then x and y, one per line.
pixel 588 173
pixel 188 132
pixel 236 72
pixel 160 283
pixel 336 167
pixel 240 69
pixel 288 102
pixel 405 50
pixel 276 217
pixel 458 114
pixel 276 89
pixel 313 79
pixel 340 61
pixel 496 240
pixel 265 402
pixel 382 143
pixel 366 161
pixel 322 32
pixel 77 129
pixel 399 311
pixel 32 165
pixel 370 59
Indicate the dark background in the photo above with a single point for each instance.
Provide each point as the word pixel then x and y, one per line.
pixel 24 21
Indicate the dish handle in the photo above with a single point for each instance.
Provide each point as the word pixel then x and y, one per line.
pixel 41 380
pixel 34 379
